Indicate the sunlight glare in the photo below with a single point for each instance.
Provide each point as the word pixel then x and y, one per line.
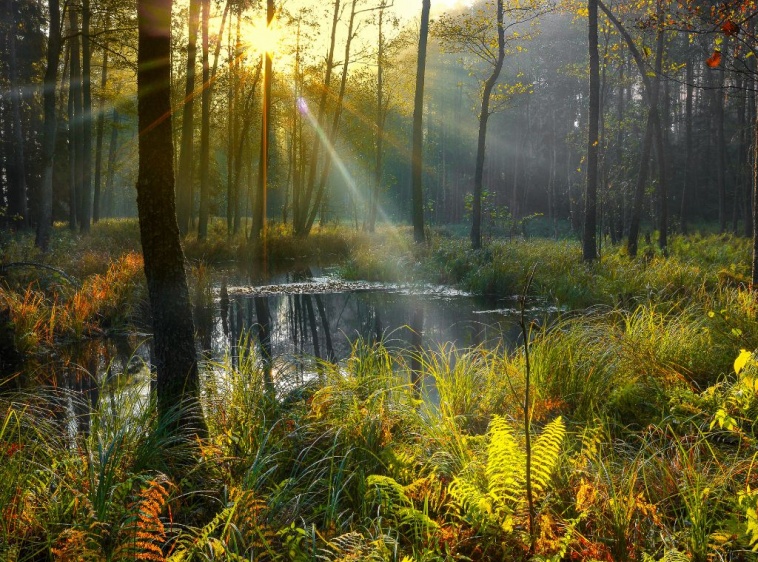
pixel 261 38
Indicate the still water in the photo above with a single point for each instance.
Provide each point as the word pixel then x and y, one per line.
pixel 305 313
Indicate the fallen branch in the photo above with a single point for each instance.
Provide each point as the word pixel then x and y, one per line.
pixel 66 276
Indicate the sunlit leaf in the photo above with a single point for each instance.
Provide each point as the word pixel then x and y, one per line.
pixel 714 61
pixel 729 28
pixel 742 360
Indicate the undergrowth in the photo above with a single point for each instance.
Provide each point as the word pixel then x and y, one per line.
pixel 643 419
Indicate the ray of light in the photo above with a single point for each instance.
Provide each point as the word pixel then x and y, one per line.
pixel 302 106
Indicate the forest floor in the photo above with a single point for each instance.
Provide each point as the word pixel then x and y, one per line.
pixel 640 405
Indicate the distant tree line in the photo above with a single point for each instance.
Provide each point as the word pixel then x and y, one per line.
pixel 675 125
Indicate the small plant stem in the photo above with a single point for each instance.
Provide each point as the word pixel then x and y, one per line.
pixel 527 411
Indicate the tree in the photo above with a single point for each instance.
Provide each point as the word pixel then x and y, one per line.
pixel 472 33
pixel 653 130
pixel 205 128
pixel 45 218
pixel 589 243
pixel 417 161
pixel 86 129
pixel 184 187
pixel 173 331
pixel 17 192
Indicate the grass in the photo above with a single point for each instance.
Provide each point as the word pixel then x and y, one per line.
pixel 657 462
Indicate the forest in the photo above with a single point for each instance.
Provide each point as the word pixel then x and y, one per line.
pixel 378 280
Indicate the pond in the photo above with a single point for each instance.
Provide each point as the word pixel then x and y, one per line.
pixel 301 313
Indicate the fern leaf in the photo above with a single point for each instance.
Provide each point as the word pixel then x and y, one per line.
pixel 505 462
pixel 545 454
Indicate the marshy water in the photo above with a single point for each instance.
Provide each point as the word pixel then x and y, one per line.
pixel 298 317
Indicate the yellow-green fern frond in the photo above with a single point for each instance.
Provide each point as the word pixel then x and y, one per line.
pixel 546 453
pixel 505 464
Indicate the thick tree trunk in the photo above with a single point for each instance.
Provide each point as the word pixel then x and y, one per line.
pixel 45 219
pixel 184 178
pixel 178 383
pixel 476 224
pixel 417 158
pixel 589 237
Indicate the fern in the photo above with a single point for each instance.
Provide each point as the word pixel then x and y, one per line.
pixel 355 546
pixel 492 498
pixel 546 452
pixel 142 536
pixel 390 499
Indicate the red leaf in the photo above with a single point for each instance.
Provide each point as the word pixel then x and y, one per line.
pixel 715 60
pixel 729 28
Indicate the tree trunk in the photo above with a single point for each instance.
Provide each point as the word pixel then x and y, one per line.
pixel 111 169
pixel 45 219
pixel 75 127
pixel 178 383
pixel 653 124
pixel 86 198
pixel 380 115
pixel 301 214
pixel 589 238
pixel 688 153
pixel 754 276
pixel 660 141
pixel 721 149
pixel 319 203
pixel 476 224
pixel 17 191
pixel 205 129
pixel 184 176
pixel 99 134
pixel 417 159
pixel 259 233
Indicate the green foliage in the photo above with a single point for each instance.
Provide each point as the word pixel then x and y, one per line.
pixel 492 496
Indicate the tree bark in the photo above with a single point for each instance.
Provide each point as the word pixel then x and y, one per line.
pixel 45 219
pixel 484 115
pixel 178 383
pixel 417 159
pixel 589 237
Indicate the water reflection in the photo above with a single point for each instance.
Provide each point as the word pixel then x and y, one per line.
pixel 299 319
pixel 320 318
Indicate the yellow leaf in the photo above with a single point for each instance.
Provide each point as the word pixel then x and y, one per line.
pixel 742 360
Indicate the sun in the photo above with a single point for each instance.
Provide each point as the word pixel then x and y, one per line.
pixel 259 38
